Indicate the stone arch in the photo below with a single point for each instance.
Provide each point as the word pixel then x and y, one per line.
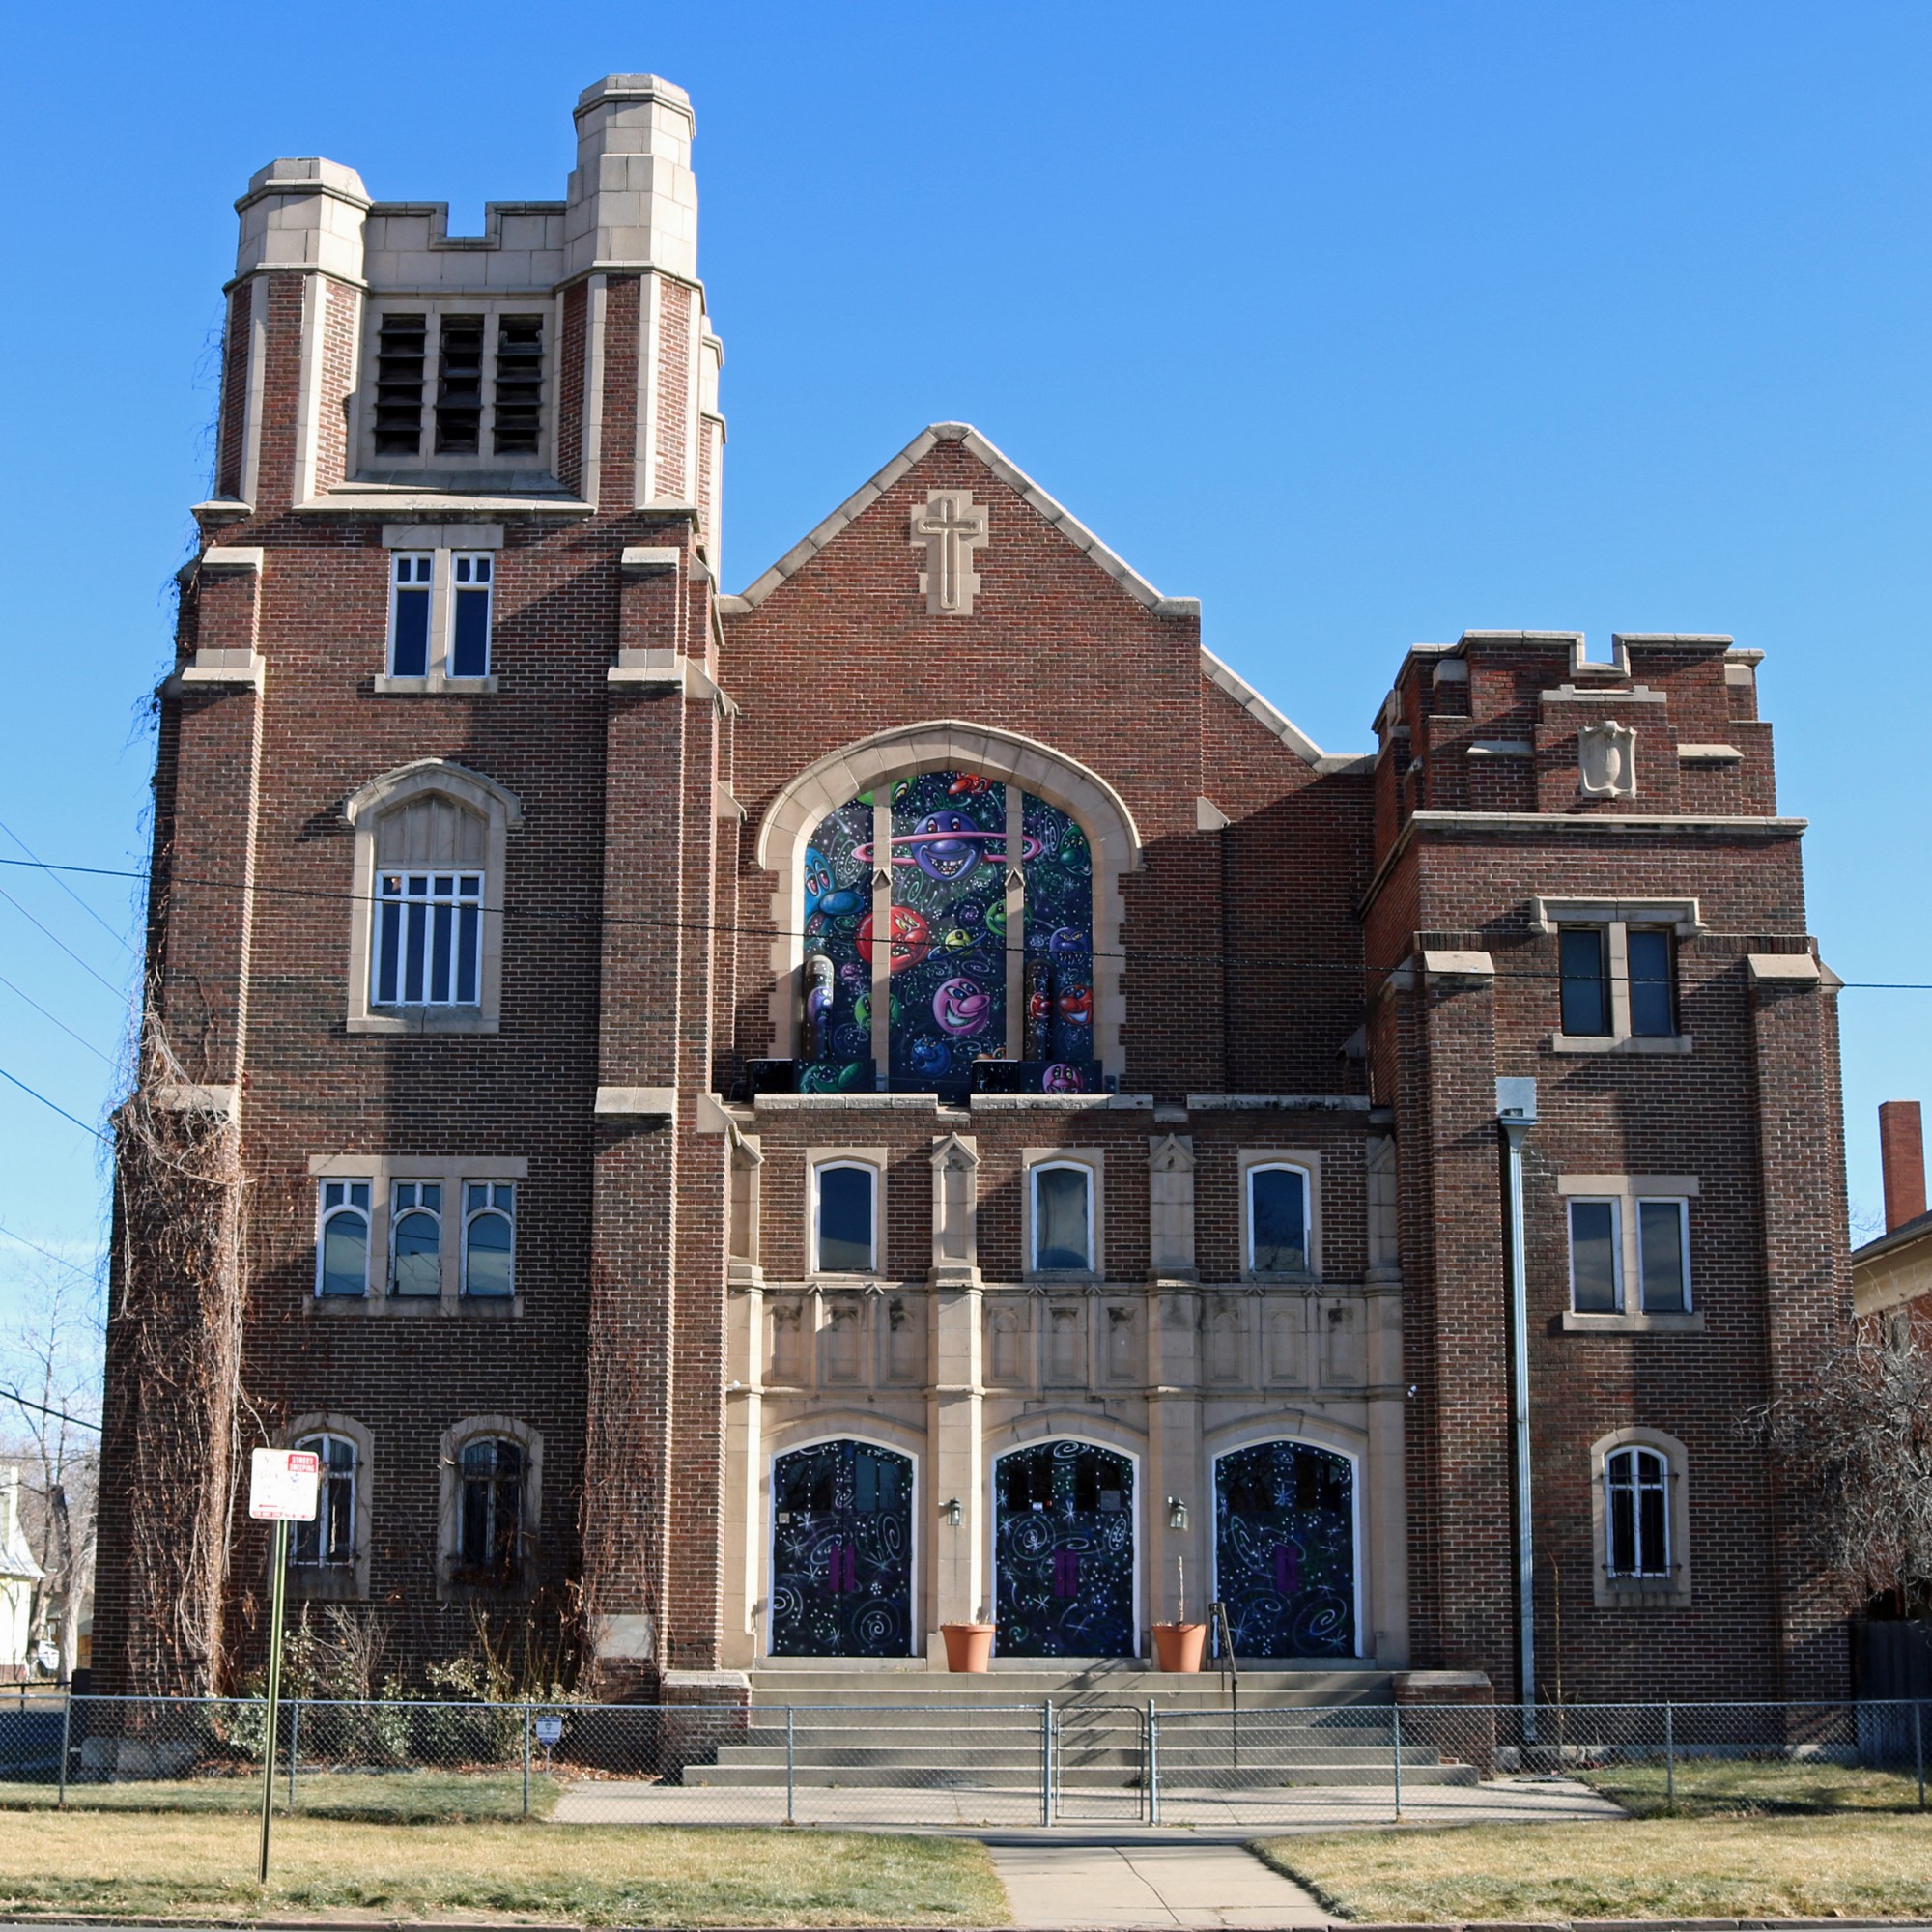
pixel 941 745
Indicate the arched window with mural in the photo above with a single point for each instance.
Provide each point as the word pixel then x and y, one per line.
pixel 985 976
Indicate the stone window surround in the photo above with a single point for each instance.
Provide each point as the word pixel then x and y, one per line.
pixel 452 1171
pixel 502 813
pixel 343 1582
pixel 1616 916
pixel 443 541
pixel 815 1158
pixel 948 745
pixel 1095 1161
pixel 1309 1162
pixel 449 1500
pixel 834 1424
pixel 368 465
pixel 1642 1592
pixel 1626 1190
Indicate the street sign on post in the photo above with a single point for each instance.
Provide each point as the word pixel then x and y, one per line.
pixel 284 1487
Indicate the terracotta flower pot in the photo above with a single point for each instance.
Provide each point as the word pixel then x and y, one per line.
pixel 1178 1646
pixel 969 1646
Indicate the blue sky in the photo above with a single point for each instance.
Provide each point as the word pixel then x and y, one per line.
pixel 1365 324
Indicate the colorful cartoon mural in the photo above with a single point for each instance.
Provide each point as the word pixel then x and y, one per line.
pixel 954 850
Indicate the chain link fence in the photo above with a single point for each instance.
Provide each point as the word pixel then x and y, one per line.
pixel 1177 1758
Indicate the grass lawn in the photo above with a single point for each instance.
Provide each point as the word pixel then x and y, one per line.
pixel 202 1865
pixel 1713 1787
pixel 384 1797
pixel 1861 1863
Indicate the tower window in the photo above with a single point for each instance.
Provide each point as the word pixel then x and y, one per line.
pixel 519 385
pixel 1596 1267
pixel 1586 981
pixel 429 939
pixel 1653 1009
pixel 1063 1217
pixel 409 588
pixel 400 348
pixel 458 388
pixel 469 577
pixel 1278 1220
pixel 846 1218
pixel 1663 1257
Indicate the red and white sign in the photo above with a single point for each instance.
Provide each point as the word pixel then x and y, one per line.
pixel 283 1485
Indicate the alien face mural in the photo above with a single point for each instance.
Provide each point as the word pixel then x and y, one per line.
pixel 959 842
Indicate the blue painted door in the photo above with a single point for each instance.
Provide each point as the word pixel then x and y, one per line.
pixel 1064 1543
pixel 1285 1549
pixel 842 1552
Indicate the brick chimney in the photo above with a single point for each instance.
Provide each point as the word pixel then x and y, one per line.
pixel 1901 1153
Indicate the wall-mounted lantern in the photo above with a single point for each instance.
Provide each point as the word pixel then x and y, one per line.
pixel 952 1512
pixel 1176 1512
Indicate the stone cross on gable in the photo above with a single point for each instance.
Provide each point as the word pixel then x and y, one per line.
pixel 951 526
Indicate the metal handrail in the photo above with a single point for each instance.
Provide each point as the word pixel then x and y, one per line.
pixel 1231 1672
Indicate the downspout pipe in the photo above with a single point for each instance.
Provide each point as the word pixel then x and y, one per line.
pixel 1516 1115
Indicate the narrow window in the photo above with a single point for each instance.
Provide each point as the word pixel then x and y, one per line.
pixel 1063 1217
pixel 1586 983
pixel 400 343
pixel 1595 1271
pixel 415 1238
pixel 408 612
pixel 519 385
pixel 328 1543
pixel 1636 1499
pixel 341 1253
pixel 1663 1260
pixel 459 388
pixel 1653 1006
pixel 489 1238
pixel 429 939
pixel 846 1217
pixel 489 1508
pixel 1277 1220
pixel 470 614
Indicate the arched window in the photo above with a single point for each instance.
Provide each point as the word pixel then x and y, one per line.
pixel 1062 1216
pixel 984 973
pixel 342 1241
pixel 1636 1512
pixel 426 920
pixel 328 1543
pixel 489 1238
pixel 415 1238
pixel 1278 1218
pixel 489 1545
pixel 844 1217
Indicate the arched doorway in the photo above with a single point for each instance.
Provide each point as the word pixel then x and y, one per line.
pixel 842 1552
pixel 1064 1551
pixel 1285 1549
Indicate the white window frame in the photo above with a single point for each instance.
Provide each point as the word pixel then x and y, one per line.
pixel 1625 1191
pixel 468 893
pixel 399 1210
pixel 311 1439
pixel 325 1209
pixel 1638 1203
pixel 874 1161
pixel 339 1582
pixel 1305 1161
pixel 470 585
pixel 501 814
pixel 452 1173
pixel 445 545
pixel 1616 918
pixel 370 464
pixel 471 1215
pixel 1670 1590
pixel 1087 1161
pixel 424 584
pixel 1614 1202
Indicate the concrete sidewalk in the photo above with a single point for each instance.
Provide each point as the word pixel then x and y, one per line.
pixel 1057 1887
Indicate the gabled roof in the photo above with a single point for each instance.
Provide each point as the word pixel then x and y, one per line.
pixel 1076 533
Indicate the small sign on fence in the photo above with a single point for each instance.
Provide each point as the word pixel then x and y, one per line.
pixel 283 1485
pixel 548 1731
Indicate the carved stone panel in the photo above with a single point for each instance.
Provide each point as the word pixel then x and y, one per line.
pixel 1606 761
pixel 1007 1328
pixel 955 1204
pixel 785 1318
pixel 903 1337
pixel 1285 1319
pixel 1171 1206
pixel 1121 1342
pixel 1227 1339
pixel 840 1355
pixel 1066 1344
pixel 1344 1345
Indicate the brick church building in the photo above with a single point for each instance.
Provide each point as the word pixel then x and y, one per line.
pixel 757 1126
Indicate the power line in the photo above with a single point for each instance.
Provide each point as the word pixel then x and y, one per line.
pixel 59 1260
pixel 51 934
pixel 61 1023
pixel 57 1107
pixel 59 1414
pixel 600 922
pixel 119 938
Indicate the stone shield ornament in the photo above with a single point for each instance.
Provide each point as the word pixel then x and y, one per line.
pixel 1606 761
